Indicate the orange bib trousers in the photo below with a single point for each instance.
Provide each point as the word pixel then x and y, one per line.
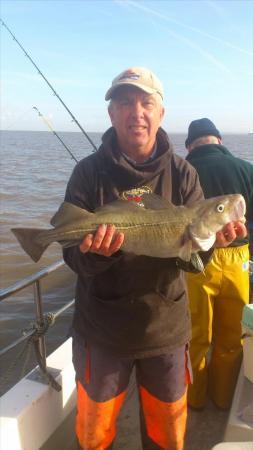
pixel 102 380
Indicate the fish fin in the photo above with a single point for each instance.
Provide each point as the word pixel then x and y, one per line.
pixel 148 201
pixel 27 239
pixel 117 205
pixel 68 212
pixel 185 251
pixel 154 201
pixel 197 262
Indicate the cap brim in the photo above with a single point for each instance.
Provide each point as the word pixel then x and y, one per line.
pixel 110 92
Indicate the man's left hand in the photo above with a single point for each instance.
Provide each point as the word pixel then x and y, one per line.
pixel 229 233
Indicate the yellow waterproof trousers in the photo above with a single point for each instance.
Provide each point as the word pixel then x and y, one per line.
pixel 217 297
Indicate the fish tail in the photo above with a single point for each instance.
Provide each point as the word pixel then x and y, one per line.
pixel 27 238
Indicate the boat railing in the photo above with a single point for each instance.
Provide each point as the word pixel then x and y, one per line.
pixel 42 321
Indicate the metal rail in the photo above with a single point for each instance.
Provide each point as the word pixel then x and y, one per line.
pixel 19 285
pixel 34 280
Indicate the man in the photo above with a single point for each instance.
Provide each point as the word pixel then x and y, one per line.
pixel 131 311
pixel 218 295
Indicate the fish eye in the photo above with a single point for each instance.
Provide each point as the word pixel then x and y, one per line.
pixel 220 208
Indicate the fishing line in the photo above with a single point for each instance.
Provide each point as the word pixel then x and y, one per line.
pixel 17 118
pixel 54 132
pixel 51 87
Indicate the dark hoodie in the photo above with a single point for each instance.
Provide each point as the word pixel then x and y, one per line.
pixel 133 305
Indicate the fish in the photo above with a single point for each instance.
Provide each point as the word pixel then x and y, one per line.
pixel 152 227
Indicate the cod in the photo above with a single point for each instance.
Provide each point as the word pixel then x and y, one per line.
pixel 153 227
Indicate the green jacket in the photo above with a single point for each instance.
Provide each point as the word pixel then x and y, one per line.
pixel 222 173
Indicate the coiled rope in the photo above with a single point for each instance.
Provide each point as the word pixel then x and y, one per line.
pixel 40 329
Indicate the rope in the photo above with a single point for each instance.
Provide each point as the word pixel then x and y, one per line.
pixel 40 329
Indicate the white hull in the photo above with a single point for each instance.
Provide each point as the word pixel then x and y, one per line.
pixel 32 411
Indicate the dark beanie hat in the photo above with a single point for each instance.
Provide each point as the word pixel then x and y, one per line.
pixel 201 127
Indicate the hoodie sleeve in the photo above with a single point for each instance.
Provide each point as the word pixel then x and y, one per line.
pixel 81 190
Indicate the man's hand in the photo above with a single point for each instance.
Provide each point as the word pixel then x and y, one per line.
pixel 229 233
pixel 105 242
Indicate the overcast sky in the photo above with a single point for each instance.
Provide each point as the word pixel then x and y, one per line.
pixel 202 51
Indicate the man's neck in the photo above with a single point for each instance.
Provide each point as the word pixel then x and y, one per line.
pixel 141 160
pixel 139 154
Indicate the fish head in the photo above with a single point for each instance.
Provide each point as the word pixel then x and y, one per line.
pixel 212 214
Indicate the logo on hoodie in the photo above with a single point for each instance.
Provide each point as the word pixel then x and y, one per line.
pixel 135 194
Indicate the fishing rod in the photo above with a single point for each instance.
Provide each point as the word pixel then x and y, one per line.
pixel 49 84
pixel 54 132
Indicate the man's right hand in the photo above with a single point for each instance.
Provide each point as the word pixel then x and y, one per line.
pixel 105 241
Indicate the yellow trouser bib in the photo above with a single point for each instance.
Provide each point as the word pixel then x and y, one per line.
pixel 216 301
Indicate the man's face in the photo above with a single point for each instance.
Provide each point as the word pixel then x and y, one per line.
pixel 136 117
